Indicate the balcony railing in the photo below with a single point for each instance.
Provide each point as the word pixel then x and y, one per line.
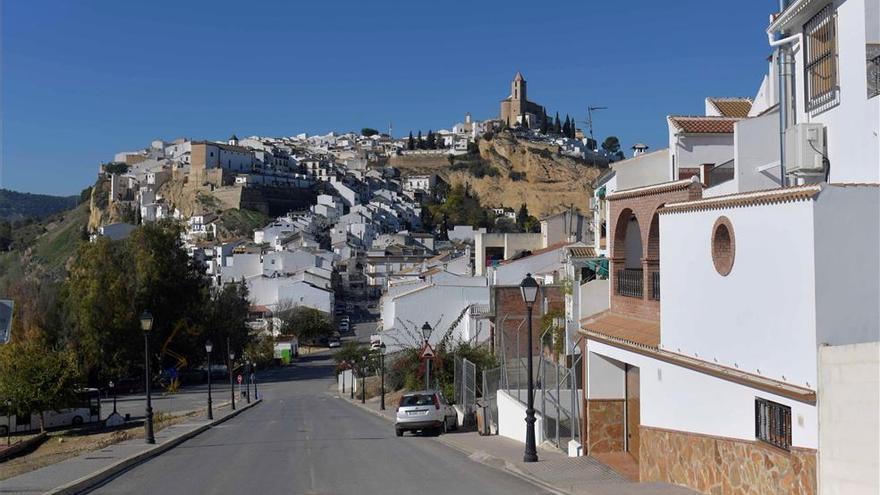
pixel 629 282
pixel 655 286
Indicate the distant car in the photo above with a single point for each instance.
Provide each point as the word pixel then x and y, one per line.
pixel 334 342
pixel 426 411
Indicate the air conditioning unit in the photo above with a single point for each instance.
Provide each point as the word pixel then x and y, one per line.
pixel 805 149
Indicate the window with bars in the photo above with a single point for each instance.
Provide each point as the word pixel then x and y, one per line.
pixel 820 60
pixel 773 423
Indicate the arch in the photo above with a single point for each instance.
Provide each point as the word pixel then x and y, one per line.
pixel 628 239
pixel 653 253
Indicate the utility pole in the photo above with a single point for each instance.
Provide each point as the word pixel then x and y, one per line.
pixel 589 122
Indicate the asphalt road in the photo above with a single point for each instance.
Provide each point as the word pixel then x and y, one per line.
pixel 304 440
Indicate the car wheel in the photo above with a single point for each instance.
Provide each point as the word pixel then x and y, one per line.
pixel 77 420
pixel 398 433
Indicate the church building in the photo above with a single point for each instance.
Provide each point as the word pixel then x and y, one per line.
pixel 517 109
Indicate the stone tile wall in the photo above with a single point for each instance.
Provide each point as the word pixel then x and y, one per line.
pixel 605 425
pixel 725 466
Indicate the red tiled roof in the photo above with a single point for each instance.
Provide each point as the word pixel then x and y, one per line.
pixel 653 189
pixel 767 196
pixel 703 125
pixel 547 249
pixel 732 107
pixel 626 329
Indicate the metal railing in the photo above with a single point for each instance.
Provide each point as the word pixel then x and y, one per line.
pixel 655 286
pixel 630 282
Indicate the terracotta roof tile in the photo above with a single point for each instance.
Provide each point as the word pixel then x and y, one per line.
pixel 547 249
pixel 626 329
pixel 732 107
pixel 582 252
pixel 653 189
pixel 767 196
pixel 703 125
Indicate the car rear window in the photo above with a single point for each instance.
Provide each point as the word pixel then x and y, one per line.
pixel 416 400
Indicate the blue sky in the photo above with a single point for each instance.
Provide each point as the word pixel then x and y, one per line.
pixel 83 80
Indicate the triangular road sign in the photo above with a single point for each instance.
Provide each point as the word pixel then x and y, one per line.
pixel 427 351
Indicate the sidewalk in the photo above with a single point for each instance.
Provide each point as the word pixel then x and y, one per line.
pixel 90 469
pixel 555 471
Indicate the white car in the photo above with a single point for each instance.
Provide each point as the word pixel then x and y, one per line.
pixel 426 411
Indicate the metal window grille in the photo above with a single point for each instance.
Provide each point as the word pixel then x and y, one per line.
pixel 820 62
pixel 773 423
pixel 873 71
pixel 629 282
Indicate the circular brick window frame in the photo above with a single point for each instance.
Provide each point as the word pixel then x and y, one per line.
pixel 723 246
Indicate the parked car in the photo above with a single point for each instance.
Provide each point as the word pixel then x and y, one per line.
pixel 334 342
pixel 426 411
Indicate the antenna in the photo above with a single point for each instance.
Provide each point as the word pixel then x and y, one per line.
pixel 589 121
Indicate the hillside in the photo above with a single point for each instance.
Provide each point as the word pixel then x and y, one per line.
pixel 16 205
pixel 509 172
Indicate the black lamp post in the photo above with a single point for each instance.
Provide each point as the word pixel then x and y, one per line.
pixel 209 347
pixel 382 348
pixel 529 289
pixel 113 389
pixel 147 326
pixel 254 378
pixel 230 366
pixel 247 382
pixel 351 387
pixel 364 379
pixel 426 332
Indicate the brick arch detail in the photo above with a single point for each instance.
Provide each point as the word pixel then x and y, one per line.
pixel 652 246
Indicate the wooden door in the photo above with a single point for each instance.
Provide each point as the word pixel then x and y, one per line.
pixel 632 411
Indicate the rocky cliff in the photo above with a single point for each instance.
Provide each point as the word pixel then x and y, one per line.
pixel 509 172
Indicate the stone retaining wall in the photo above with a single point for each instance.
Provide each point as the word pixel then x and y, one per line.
pixel 605 425
pixel 724 466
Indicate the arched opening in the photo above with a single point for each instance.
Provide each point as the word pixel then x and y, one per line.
pixel 653 257
pixel 627 253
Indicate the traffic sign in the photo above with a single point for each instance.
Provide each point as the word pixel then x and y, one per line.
pixel 5 320
pixel 427 351
pixel 239 379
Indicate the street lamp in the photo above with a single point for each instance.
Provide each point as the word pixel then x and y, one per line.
pixel 147 326
pixel 353 378
pixel 209 347
pixel 247 382
pixel 230 365
pixel 254 378
pixel 382 348
pixel 529 289
pixel 426 332
pixel 364 359
pixel 113 388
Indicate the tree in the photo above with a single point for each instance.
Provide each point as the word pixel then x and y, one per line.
pixel 557 125
pixel 359 358
pixel 566 127
pixel 410 143
pixel 420 143
pixel 522 215
pixel 35 378
pixel 611 146
pixel 544 126
pixel 431 141
pixel 226 316
pixel 369 131
pixel 525 123
pixel 505 225
pixel 306 324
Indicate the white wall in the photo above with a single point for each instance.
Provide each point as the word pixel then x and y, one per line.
pixel 643 170
pixel 595 296
pixel 849 426
pixel 847 243
pixel 695 150
pixel 756 143
pixel 852 126
pixel 681 399
pixel 606 378
pixel 512 419
pixel 760 316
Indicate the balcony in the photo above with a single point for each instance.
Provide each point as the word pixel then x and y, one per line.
pixel 630 282
pixel 655 286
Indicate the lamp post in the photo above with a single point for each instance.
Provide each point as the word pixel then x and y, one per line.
pixel 426 332
pixel 382 348
pixel 147 326
pixel 364 359
pixel 351 387
pixel 529 289
pixel 230 366
pixel 113 389
pixel 254 378
pixel 247 382
pixel 209 347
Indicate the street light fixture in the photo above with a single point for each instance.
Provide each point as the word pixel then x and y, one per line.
pixel 529 289
pixel 147 326
pixel 426 332
pixel 230 366
pixel 209 346
pixel 382 348
pixel 254 378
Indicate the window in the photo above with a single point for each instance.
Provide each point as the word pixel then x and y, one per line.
pixel 773 423
pixel 820 60
pixel 723 246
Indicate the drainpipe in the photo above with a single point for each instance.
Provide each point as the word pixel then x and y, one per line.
pixel 786 101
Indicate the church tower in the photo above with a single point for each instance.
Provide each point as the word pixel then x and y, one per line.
pixel 517 98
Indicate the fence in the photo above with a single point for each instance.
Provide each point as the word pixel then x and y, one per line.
pixel 491 384
pixel 465 383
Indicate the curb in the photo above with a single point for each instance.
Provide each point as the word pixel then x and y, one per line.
pixel 487 460
pixel 97 478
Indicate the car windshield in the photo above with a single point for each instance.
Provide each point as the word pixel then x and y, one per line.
pixel 416 400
